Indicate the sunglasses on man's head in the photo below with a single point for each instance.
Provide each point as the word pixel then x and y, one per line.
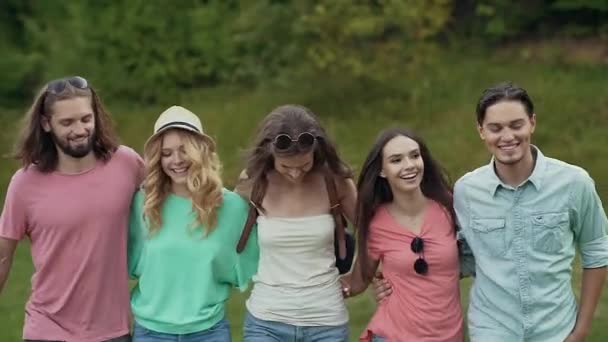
pixel 420 265
pixel 58 86
pixel 304 141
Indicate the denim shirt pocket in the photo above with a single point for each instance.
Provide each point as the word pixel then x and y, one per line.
pixel 548 230
pixel 491 234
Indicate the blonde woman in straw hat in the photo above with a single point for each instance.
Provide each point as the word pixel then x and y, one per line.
pixel 182 233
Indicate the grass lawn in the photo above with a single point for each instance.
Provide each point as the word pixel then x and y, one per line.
pixel 572 110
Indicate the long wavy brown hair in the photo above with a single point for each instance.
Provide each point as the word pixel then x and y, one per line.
pixel 34 146
pixel 291 120
pixel 203 181
pixel 374 190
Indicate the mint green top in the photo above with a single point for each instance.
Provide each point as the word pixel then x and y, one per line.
pixel 184 278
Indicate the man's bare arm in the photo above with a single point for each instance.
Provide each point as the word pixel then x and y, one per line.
pixel 7 251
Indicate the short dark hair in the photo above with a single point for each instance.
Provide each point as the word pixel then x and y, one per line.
pixel 506 91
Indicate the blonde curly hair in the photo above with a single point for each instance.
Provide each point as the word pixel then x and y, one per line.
pixel 203 180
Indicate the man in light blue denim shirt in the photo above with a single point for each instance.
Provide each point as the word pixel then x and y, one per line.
pixel 522 216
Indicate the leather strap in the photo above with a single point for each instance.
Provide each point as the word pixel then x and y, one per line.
pixel 251 218
pixel 334 207
pixel 336 211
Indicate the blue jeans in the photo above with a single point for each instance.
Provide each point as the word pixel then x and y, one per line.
pixel 257 330
pixel 220 332
pixel 376 338
pixel 125 338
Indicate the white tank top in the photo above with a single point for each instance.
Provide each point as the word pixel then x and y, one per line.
pixel 297 281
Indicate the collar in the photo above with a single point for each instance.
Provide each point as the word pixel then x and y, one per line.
pixel 535 178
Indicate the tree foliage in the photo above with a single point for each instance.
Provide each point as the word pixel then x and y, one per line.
pixel 153 50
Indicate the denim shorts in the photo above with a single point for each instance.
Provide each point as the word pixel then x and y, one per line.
pixel 220 332
pixel 258 330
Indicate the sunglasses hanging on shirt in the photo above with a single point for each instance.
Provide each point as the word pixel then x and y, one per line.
pixel 420 265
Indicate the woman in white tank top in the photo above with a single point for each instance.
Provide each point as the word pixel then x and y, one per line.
pixel 297 295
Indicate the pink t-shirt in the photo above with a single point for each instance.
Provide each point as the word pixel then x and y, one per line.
pixel 77 225
pixel 422 308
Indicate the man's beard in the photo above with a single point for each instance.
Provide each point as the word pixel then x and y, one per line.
pixel 79 151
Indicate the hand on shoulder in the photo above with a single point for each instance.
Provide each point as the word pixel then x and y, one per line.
pixel 243 186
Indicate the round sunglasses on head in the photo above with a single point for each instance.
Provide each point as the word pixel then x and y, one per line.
pixel 304 141
pixel 420 265
pixel 57 86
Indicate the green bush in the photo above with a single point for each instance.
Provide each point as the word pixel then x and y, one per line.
pixel 152 51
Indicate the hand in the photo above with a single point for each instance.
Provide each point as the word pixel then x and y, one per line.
pixel 576 336
pixel 382 288
pixel 345 284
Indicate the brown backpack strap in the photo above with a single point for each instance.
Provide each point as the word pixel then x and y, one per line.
pixel 251 218
pixel 336 211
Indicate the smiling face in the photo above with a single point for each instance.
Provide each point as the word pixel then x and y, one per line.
pixel 294 168
pixel 71 124
pixel 507 131
pixel 174 160
pixel 402 164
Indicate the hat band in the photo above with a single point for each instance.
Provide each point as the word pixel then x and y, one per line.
pixel 173 123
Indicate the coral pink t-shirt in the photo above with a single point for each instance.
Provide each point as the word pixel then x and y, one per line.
pixel 77 225
pixel 422 308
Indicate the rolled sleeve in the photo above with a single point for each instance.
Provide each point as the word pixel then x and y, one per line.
pixel 591 224
pixel 594 253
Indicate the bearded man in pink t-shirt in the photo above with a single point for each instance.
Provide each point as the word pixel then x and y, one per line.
pixel 71 199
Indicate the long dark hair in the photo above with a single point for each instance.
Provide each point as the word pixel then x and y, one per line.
pixel 34 146
pixel 291 120
pixel 374 190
